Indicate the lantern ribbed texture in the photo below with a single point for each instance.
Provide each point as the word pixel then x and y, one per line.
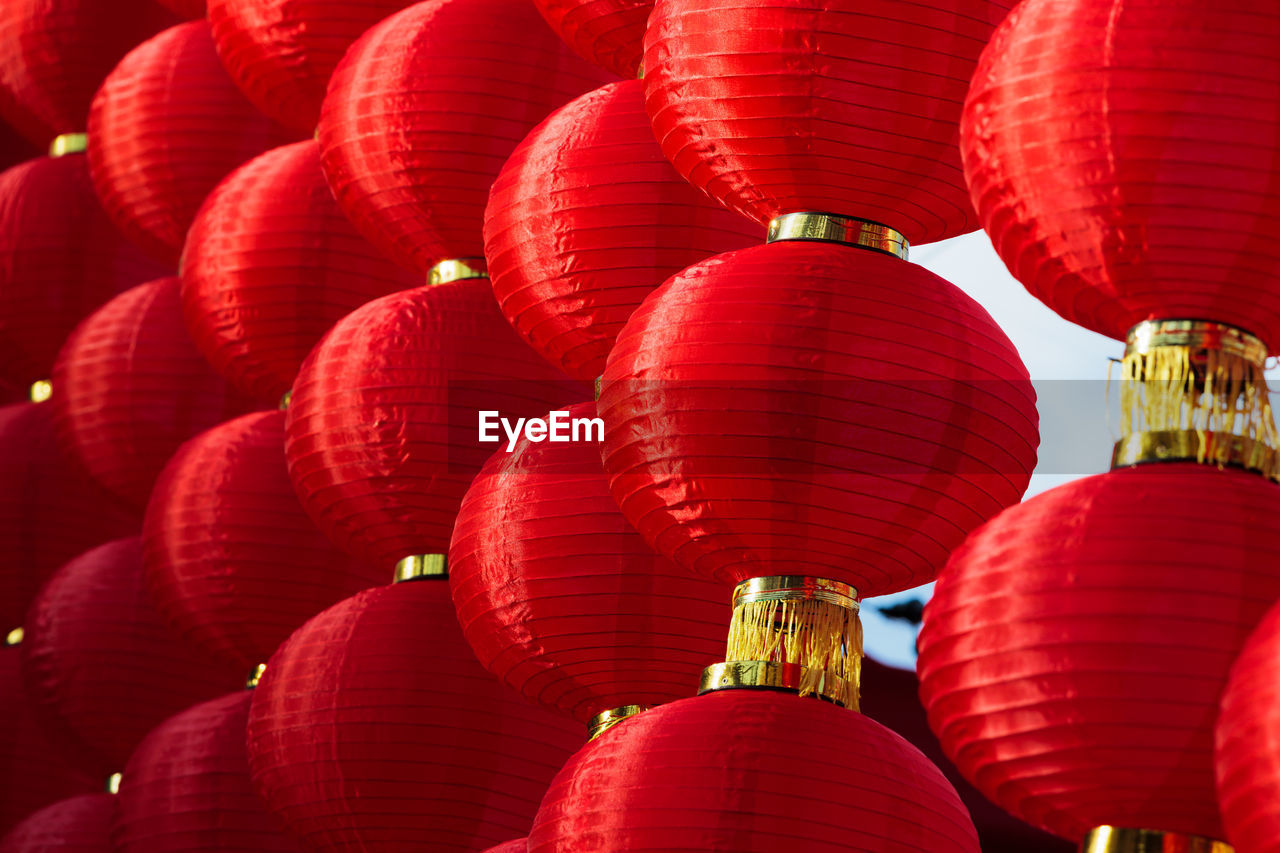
pixel 55 53
pixel 100 661
pixel 231 557
pixel 281 53
pixel 609 33
pixel 1247 743
pixel 381 432
pixel 813 409
pixel 425 109
pixel 271 264
pixel 130 387
pixel 840 106
pixel 77 825
pixel 1122 158
pixel 375 729
pixel 166 126
pixel 60 258
pixel 186 9
pixel 586 218
pixel 50 509
pixel 519 845
pixel 186 789
pixel 562 599
pixel 1075 648
pixel 751 771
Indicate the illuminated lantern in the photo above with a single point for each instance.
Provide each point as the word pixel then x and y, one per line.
pixel 374 727
pixel 166 126
pixel 231 558
pixel 425 109
pixel 586 218
pixel 77 825
pixel 609 33
pixel 270 265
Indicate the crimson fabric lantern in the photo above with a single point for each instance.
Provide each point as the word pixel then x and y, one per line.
pixel 373 727
pixel 100 662
pixel 424 110
pixel 231 558
pixel 270 265
pixel 77 825
pixel 186 788
pixel 586 218
pixel 609 33
pixel 281 53
pixel 130 387
pixel 186 9
pixel 1076 647
pixel 752 771
pixel 60 258
pixel 166 126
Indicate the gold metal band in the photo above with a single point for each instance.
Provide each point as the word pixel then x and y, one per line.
pixel 1195 335
pixel 285 399
pixel 767 675
pixel 456 269
pixel 1113 839
pixel 605 720
pixel 833 228
pixel 113 783
pixel 15 637
pixel 421 566
pixel 255 675
pixel 1141 448
pixel 41 390
pixel 69 143
pixel 599 386
pixel 795 588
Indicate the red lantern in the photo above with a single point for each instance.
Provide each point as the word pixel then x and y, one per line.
pixel 166 126
pixel 753 771
pixel 270 265
pixel 609 33
pixel 231 558
pixel 186 788
pixel 60 258
pixel 586 219
pixel 98 659
pixel 374 726
pixel 382 436
pixel 560 598
pixel 281 53
pixel 130 387
pixel 186 9
pixel 424 110
pixel 1075 648
pixel 77 825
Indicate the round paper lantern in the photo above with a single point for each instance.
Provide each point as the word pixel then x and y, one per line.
pixel 231 558
pixel 166 126
pixel 561 598
pixel 374 727
pixel 609 33
pixel 130 387
pixel 382 436
pixel 186 788
pixel 60 258
pixel 1076 646
pixel 281 53
pixel 586 218
pixel 186 9
pixel 270 265
pixel 751 771
pixel 425 109
pixel 100 662
pixel 77 825
pixel 55 53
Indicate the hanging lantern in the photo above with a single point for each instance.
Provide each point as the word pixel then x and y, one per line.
pixel 281 53
pixel 374 727
pixel 166 126
pixel 130 387
pixel 186 788
pixel 586 218
pixel 270 265
pixel 100 663
pixel 231 558
pixel 77 825
pixel 189 10
pixel 424 110
pixel 609 33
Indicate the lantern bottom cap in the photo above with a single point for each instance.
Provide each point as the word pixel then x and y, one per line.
pixel 421 567
pixel 1117 839
pixel 773 675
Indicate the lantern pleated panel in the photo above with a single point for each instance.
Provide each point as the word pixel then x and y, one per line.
pixel 751 771
pixel 848 107
pixel 131 387
pixel 382 428
pixel 425 109
pixel 281 53
pixel 186 789
pixel 270 265
pixel 186 9
pixel 60 258
pixel 586 219
pixel 102 665
pixel 77 825
pixel 1177 215
pixel 1076 647
pixel 374 728
pixel 231 558
pixel 166 126
pixel 609 33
